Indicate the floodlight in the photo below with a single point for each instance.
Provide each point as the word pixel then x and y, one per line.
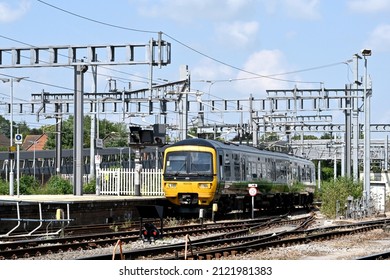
pixel 366 52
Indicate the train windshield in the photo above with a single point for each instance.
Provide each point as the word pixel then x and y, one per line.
pixel 183 163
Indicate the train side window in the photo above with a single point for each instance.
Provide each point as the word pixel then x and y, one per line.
pixel 227 167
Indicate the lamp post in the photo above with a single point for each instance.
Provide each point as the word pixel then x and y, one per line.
pixel 120 156
pixel 34 143
pixel 11 171
pixel 96 141
pixel 367 97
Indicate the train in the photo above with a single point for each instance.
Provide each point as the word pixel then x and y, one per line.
pixel 209 174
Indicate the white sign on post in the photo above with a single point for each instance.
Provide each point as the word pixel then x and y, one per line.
pixel 252 191
pixel 99 143
pixel 98 159
pixel 18 139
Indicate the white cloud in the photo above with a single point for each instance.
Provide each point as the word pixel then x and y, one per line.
pixel 368 6
pixel 302 9
pixel 219 10
pixel 238 33
pixel 210 70
pixel 266 63
pixel 191 10
pixel 379 39
pixel 295 9
pixel 9 14
pixel 233 84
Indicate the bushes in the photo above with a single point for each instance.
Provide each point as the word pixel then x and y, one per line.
pixel 90 188
pixel 336 191
pixel 58 185
pixel 28 185
pixel 4 187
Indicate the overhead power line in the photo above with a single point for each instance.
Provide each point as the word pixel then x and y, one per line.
pixel 257 75
pixel 97 21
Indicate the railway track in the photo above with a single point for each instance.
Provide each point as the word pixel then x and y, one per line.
pixel 72 231
pixel 42 246
pixel 241 242
pixel 207 241
pixel 380 256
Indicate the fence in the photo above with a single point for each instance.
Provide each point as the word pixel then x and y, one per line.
pixel 121 181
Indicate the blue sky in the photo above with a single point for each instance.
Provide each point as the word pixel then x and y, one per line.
pixel 312 40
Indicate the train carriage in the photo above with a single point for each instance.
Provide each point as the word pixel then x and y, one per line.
pixel 198 173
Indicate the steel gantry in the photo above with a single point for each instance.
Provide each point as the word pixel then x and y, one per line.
pixel 319 101
pixel 281 111
pixel 154 53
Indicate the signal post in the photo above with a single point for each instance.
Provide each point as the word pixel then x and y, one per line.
pixel 138 139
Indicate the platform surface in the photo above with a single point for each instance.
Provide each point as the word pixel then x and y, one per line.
pixel 69 198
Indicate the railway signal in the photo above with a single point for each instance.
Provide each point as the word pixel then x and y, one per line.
pixel 150 233
pixel 146 137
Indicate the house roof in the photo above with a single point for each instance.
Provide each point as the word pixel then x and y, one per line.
pixel 36 142
pixel 4 140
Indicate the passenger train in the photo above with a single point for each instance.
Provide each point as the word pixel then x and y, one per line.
pixel 200 173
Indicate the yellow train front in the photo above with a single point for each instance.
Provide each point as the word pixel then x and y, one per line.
pixel 190 174
pixel 199 172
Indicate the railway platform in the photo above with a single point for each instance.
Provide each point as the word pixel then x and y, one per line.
pixel 27 211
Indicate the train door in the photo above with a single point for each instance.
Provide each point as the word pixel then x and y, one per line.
pixel 220 166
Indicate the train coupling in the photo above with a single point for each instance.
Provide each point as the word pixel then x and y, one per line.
pixel 188 199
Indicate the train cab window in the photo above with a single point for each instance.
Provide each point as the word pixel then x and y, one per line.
pixel 176 163
pixel 188 162
pixel 200 162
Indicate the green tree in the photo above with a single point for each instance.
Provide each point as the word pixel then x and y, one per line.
pixel 4 129
pixel 270 137
pixel 66 134
pixel 4 126
pixel 114 134
pixel 327 136
pixel 305 137
pixel 24 129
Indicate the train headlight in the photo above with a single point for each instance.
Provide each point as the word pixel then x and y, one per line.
pixel 204 186
pixel 171 185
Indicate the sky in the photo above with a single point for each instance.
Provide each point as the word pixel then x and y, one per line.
pixel 233 48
